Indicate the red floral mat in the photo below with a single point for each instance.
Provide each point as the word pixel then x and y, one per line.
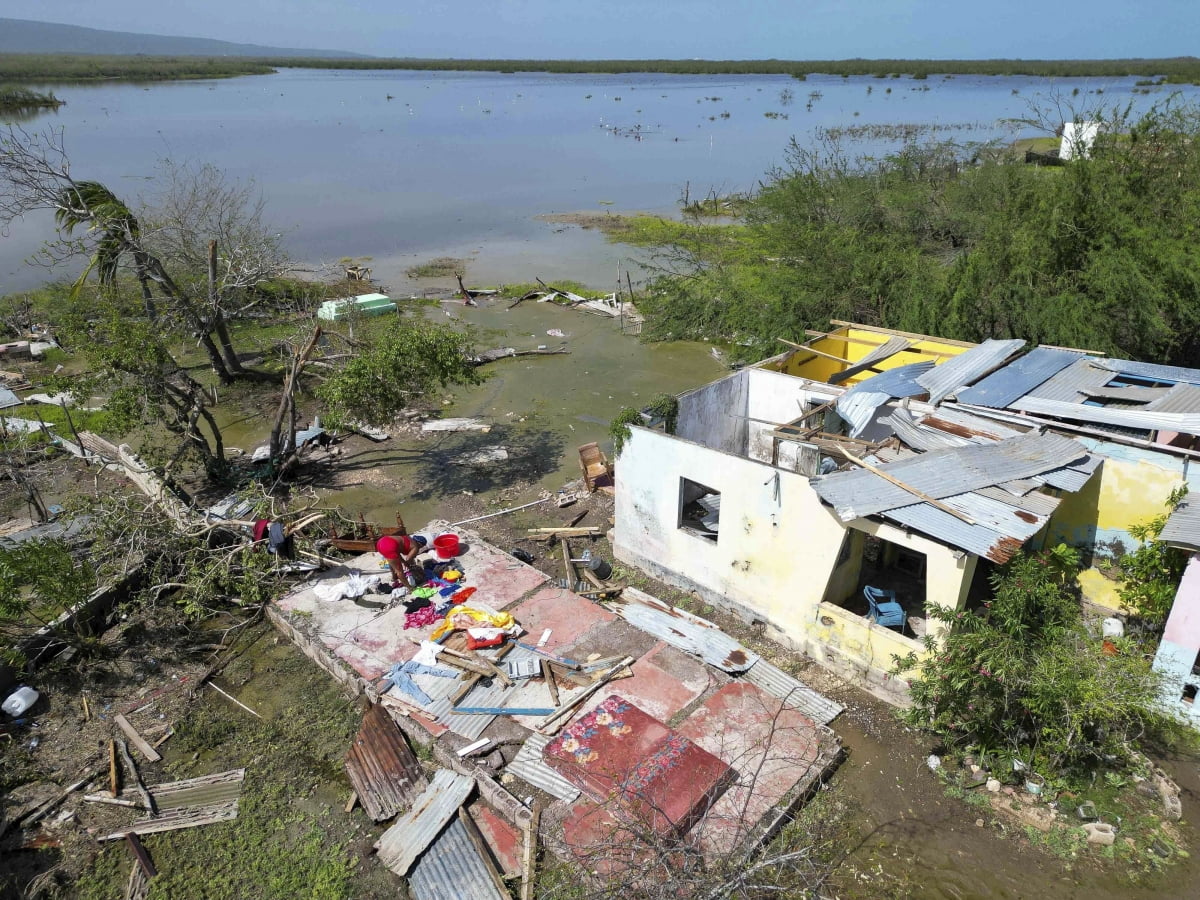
pixel 619 755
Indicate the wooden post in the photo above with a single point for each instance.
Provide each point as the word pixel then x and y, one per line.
pixel 140 854
pixel 529 858
pixel 114 777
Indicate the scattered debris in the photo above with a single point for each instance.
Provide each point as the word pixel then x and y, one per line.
pixel 190 803
pixel 456 425
pixel 138 741
pixel 481 458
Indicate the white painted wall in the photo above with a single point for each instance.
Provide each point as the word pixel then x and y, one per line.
pixel 777 549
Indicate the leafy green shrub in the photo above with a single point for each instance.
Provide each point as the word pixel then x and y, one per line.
pixel 1150 575
pixel 1024 675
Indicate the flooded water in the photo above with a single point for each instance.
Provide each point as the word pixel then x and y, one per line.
pixel 402 166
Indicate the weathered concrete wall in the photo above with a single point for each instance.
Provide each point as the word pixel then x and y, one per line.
pixel 1131 487
pixel 715 415
pixel 778 548
pixel 775 399
pixel 1180 645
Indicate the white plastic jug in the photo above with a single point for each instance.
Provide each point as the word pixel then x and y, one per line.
pixel 1112 628
pixel 20 700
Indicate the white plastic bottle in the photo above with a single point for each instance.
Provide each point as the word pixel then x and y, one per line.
pixel 20 700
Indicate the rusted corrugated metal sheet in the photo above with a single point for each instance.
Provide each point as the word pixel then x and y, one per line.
pixel 966 368
pixel 947 473
pixel 1018 378
pixel 382 768
pixel 682 630
pixel 890 348
pixel 452 869
pixel 1183 525
pixel 412 833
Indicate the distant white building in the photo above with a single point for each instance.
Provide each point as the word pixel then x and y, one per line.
pixel 1077 139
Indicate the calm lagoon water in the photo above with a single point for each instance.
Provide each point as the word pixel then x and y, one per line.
pixel 461 163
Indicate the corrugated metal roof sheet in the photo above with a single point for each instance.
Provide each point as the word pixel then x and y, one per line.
pixel 970 365
pixel 1072 383
pixel 1183 398
pixel 1018 378
pixel 795 694
pixel 1152 371
pixel 857 406
pixel 385 773
pixel 887 349
pixel 942 526
pixel 1143 419
pixel 914 435
pixel 530 766
pixel 1128 394
pixel 1183 525
pixel 946 473
pixel 978 428
pixel 8 398
pixel 452 869
pixel 399 846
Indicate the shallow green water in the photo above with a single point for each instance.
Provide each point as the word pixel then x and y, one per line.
pixel 541 408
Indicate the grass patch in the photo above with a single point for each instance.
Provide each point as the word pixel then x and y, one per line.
pixel 440 267
pixel 18 99
pixel 291 837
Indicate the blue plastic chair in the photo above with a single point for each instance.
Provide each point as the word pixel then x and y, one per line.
pixel 885 610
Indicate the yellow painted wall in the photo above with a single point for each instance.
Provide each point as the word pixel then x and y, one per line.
pixel 1131 487
pixel 818 368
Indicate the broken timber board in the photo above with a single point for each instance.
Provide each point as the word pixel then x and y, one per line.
pixel 382 767
pixel 400 846
pixel 136 739
pixel 140 855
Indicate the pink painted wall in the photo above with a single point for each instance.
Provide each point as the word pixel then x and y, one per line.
pixel 1183 625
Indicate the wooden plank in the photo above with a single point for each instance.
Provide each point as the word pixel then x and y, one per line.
pixel 140 854
pixel 875 329
pixel 114 776
pixel 501 711
pixel 529 857
pixel 113 801
pixel 855 340
pixel 136 739
pixel 137 779
pixel 551 684
pixel 352 802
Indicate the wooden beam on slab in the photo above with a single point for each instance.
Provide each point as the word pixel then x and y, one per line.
pixel 136 739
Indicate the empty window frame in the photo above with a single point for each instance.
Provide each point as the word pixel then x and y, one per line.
pixel 699 509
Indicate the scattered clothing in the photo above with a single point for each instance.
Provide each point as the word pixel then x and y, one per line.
pixel 462 596
pixel 354 586
pixel 399 678
pixel 411 606
pixel 464 617
pixel 421 617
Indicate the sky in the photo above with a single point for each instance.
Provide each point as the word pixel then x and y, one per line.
pixel 644 29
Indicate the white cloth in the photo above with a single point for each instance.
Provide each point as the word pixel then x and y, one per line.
pixel 428 653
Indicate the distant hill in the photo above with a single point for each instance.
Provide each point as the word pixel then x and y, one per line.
pixel 25 36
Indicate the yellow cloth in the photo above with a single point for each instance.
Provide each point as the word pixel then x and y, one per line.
pixel 461 617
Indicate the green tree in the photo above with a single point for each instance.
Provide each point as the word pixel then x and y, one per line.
pixel 1024 675
pixel 40 579
pixel 403 361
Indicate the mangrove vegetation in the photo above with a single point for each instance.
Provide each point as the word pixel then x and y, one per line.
pixel 961 241
pixel 69 67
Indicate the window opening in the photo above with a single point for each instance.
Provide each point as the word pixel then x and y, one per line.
pixel 1189 693
pixel 699 509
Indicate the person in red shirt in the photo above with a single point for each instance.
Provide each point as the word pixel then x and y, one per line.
pixel 400 551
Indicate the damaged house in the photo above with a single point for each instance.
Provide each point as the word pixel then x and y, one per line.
pixel 836 491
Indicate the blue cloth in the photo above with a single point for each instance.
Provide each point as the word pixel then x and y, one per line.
pixel 399 674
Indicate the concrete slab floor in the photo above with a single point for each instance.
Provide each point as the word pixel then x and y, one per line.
pixel 503 839
pixel 665 681
pixel 773 749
